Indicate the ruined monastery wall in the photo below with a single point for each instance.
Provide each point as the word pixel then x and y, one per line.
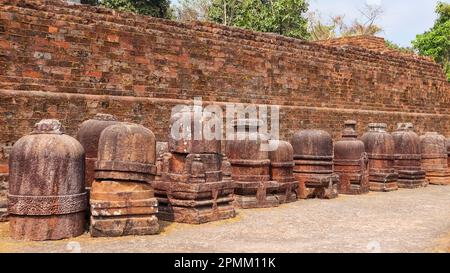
pixel 69 62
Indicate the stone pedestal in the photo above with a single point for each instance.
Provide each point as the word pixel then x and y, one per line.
pixel 282 171
pixel 380 149
pixel 434 158
pixel 350 162
pixel 313 157
pixel 122 198
pixel 408 158
pixel 47 195
pixel 318 186
pixel 3 200
pixel 123 208
pixel 194 188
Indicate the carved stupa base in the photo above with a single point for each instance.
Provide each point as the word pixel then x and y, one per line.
pixel 251 195
pixel 318 186
pixel 194 203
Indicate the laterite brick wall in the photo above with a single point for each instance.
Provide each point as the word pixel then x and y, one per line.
pixel 367 42
pixel 371 43
pixel 69 62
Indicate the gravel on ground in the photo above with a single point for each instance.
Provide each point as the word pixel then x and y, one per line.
pixel 402 221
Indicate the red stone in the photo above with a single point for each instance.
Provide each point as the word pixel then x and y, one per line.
pixel 351 162
pixel 314 84
pixel 408 157
pixel 161 149
pixel 313 156
pixel 122 196
pixel 47 196
pixel 380 149
pixel 434 158
pixel 250 167
pixel 282 170
pixel 195 184
pixel 448 152
pixel 4 177
pixel 88 135
pixel 52 29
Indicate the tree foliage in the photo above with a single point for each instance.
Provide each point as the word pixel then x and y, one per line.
pixel 155 8
pixel 192 10
pixel 367 24
pixel 436 41
pixel 320 29
pixel 285 17
pixel 395 46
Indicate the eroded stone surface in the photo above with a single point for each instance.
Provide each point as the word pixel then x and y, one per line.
pixel 408 157
pixel 194 181
pixel 282 170
pixel 47 196
pixel 351 162
pixel 380 149
pixel 250 166
pixel 313 156
pixel 4 177
pixel 337 83
pixel 122 199
pixel 88 135
pixel 434 158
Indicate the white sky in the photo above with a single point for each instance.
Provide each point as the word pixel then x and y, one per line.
pixel 402 19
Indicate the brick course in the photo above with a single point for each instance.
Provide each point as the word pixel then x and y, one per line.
pixel 369 42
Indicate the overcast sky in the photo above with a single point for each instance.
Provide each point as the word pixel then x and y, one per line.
pixel 402 19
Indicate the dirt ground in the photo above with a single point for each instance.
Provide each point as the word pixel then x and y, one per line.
pixel 402 221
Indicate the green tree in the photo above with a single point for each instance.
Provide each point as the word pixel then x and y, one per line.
pixel 285 17
pixel 155 8
pixel 436 42
pixel 395 46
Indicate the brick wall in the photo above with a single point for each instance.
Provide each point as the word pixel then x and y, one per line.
pixel 367 42
pixel 69 62
pixel 371 43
